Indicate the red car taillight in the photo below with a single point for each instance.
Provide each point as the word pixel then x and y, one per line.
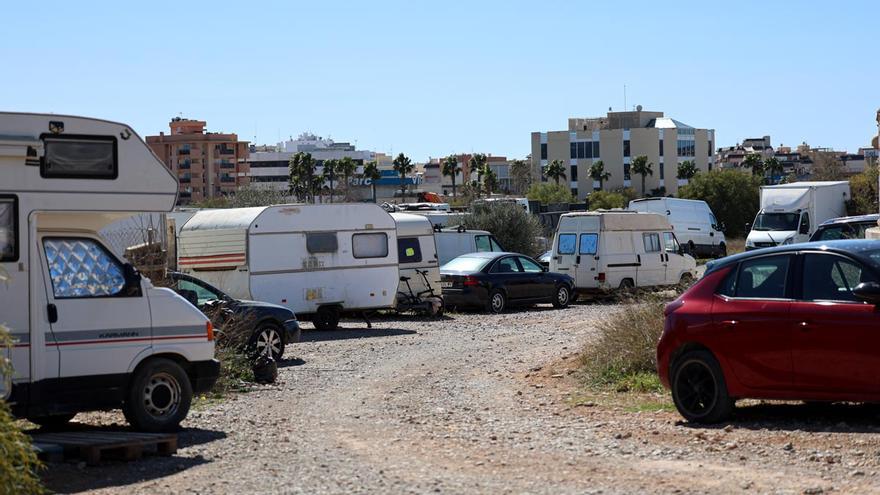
pixel 470 281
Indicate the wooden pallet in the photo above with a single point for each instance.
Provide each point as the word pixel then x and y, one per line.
pixel 92 446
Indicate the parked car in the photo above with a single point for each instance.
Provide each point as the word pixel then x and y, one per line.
pixel 692 221
pixel 795 322
pixel 544 259
pixel 845 228
pixel 497 280
pixel 274 326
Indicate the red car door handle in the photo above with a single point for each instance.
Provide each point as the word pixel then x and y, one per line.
pixel 729 323
pixel 804 325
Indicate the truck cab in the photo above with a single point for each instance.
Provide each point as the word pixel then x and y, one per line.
pixel 89 331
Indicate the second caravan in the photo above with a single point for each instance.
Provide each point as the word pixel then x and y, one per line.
pixel 317 260
pixel 610 250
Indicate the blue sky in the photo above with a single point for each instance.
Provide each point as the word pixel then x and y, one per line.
pixel 432 78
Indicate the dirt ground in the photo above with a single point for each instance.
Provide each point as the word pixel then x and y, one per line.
pixel 479 403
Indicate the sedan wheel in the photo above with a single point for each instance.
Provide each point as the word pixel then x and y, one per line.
pixel 698 389
pixel 563 297
pixel 497 301
pixel 268 342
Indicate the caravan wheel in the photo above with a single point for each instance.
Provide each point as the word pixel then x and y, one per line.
pixel 159 396
pixel 327 318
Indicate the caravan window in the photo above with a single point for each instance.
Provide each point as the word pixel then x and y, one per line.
pixel 321 242
pixel 409 250
pixel 8 229
pixel 81 267
pixel 369 245
pixel 79 157
pixel 652 243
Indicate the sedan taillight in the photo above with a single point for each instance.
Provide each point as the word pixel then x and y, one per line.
pixel 470 281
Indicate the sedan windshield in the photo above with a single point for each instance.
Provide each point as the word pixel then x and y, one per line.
pixel 776 221
pixel 465 264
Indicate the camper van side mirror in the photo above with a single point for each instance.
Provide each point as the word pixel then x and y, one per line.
pixel 132 279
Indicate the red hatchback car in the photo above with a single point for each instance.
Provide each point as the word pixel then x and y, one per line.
pixel 796 322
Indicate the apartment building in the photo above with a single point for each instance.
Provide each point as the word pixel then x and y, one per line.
pixel 207 164
pixel 617 139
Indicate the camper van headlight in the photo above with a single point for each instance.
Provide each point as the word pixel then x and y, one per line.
pixel 750 243
pixel 788 241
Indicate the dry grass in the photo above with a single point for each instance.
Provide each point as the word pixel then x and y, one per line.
pixel 735 246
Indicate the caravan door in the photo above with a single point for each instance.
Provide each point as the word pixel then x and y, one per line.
pixel 99 318
pixel 14 290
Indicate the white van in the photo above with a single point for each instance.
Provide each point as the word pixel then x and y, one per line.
pixel 90 333
pixel 317 260
pixel 693 222
pixel 417 254
pixel 620 249
pixel 454 242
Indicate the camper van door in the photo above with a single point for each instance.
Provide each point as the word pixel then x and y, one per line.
pixel 652 259
pixel 14 287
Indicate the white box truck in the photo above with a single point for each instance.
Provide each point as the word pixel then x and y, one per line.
pixel 608 250
pixel 317 260
pixel 90 333
pixel 790 213
pixel 693 222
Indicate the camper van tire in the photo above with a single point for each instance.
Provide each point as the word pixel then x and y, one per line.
pixel 159 396
pixel 627 285
pixel 327 318
pixel 497 301
pixel 267 340
pixel 563 297
pixel 686 279
pixel 52 422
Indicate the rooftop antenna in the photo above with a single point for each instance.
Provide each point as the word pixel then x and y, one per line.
pixel 624 97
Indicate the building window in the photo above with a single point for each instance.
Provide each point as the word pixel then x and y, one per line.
pixel 686 147
pixel 626 147
pixel 582 153
pixel 369 245
pixel 574 150
pixel 595 149
pixel 574 191
pixel 710 166
pixel 574 173
pixel 661 171
pixel 543 151
pixel 661 147
pixel 626 175
pixel 709 153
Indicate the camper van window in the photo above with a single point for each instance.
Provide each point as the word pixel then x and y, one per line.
pixel 8 229
pixel 670 242
pixel 588 243
pixel 82 268
pixel 369 245
pixel 652 243
pixel 566 243
pixel 321 242
pixel 79 157
pixel 408 250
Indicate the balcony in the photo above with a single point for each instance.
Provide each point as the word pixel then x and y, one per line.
pixel 224 150
pixel 185 165
pixel 227 164
pixel 226 178
pixel 182 151
pixel 184 179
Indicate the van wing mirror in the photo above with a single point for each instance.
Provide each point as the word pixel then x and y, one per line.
pixel 868 292
pixel 132 278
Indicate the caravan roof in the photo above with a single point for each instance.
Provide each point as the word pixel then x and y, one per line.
pixel 412 225
pixel 293 217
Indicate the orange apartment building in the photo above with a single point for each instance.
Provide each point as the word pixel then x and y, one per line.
pixel 207 164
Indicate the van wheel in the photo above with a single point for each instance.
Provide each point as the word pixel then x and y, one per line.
pixel 497 301
pixel 54 422
pixel 159 396
pixel 686 280
pixel 691 249
pixel 699 390
pixel 722 250
pixel 627 285
pixel 327 318
pixel 267 341
pixel 563 297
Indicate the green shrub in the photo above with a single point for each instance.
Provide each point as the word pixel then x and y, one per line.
pixel 516 229
pixel 605 200
pixel 550 193
pixel 18 462
pixel 864 191
pixel 733 195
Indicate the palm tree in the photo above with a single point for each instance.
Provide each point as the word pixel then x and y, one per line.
pixel 403 166
pixel 521 175
pixel 450 168
pixel 754 162
pixel 346 168
pixel 555 170
pixel 686 170
pixel 371 171
pixel 330 167
pixel 301 179
pixel 774 167
pixel 598 173
pixel 477 164
pixel 490 180
pixel 641 166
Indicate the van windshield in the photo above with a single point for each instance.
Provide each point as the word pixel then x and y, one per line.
pixel 776 221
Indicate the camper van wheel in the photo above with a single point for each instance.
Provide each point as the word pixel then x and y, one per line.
pixel 327 318
pixel 53 422
pixel 627 285
pixel 497 301
pixel 267 341
pixel 563 297
pixel 159 396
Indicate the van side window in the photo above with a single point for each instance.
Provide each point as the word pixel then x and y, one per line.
pixel 373 245
pixel 321 242
pixel 652 243
pixel 79 157
pixel 588 243
pixel 670 242
pixel 82 268
pixel 8 229
pixel 409 250
pixel 566 243
pixel 487 243
pixel 494 243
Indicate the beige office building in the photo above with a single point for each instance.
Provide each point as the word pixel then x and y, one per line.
pixel 618 138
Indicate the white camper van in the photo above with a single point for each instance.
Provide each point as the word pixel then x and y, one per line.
pixel 619 249
pixel 317 260
pixel 693 222
pixel 90 332
pixel 417 254
pixel 454 242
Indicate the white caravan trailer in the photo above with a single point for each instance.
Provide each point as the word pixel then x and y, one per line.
pixel 619 249
pixel 417 254
pixel 317 260
pixel 90 332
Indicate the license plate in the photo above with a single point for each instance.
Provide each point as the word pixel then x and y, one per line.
pixel 445 285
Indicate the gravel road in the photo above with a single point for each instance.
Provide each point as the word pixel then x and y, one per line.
pixel 480 403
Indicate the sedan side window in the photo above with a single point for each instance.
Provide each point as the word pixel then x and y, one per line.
pixel 204 295
pixel 763 278
pixel 530 266
pixel 506 265
pixel 832 278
